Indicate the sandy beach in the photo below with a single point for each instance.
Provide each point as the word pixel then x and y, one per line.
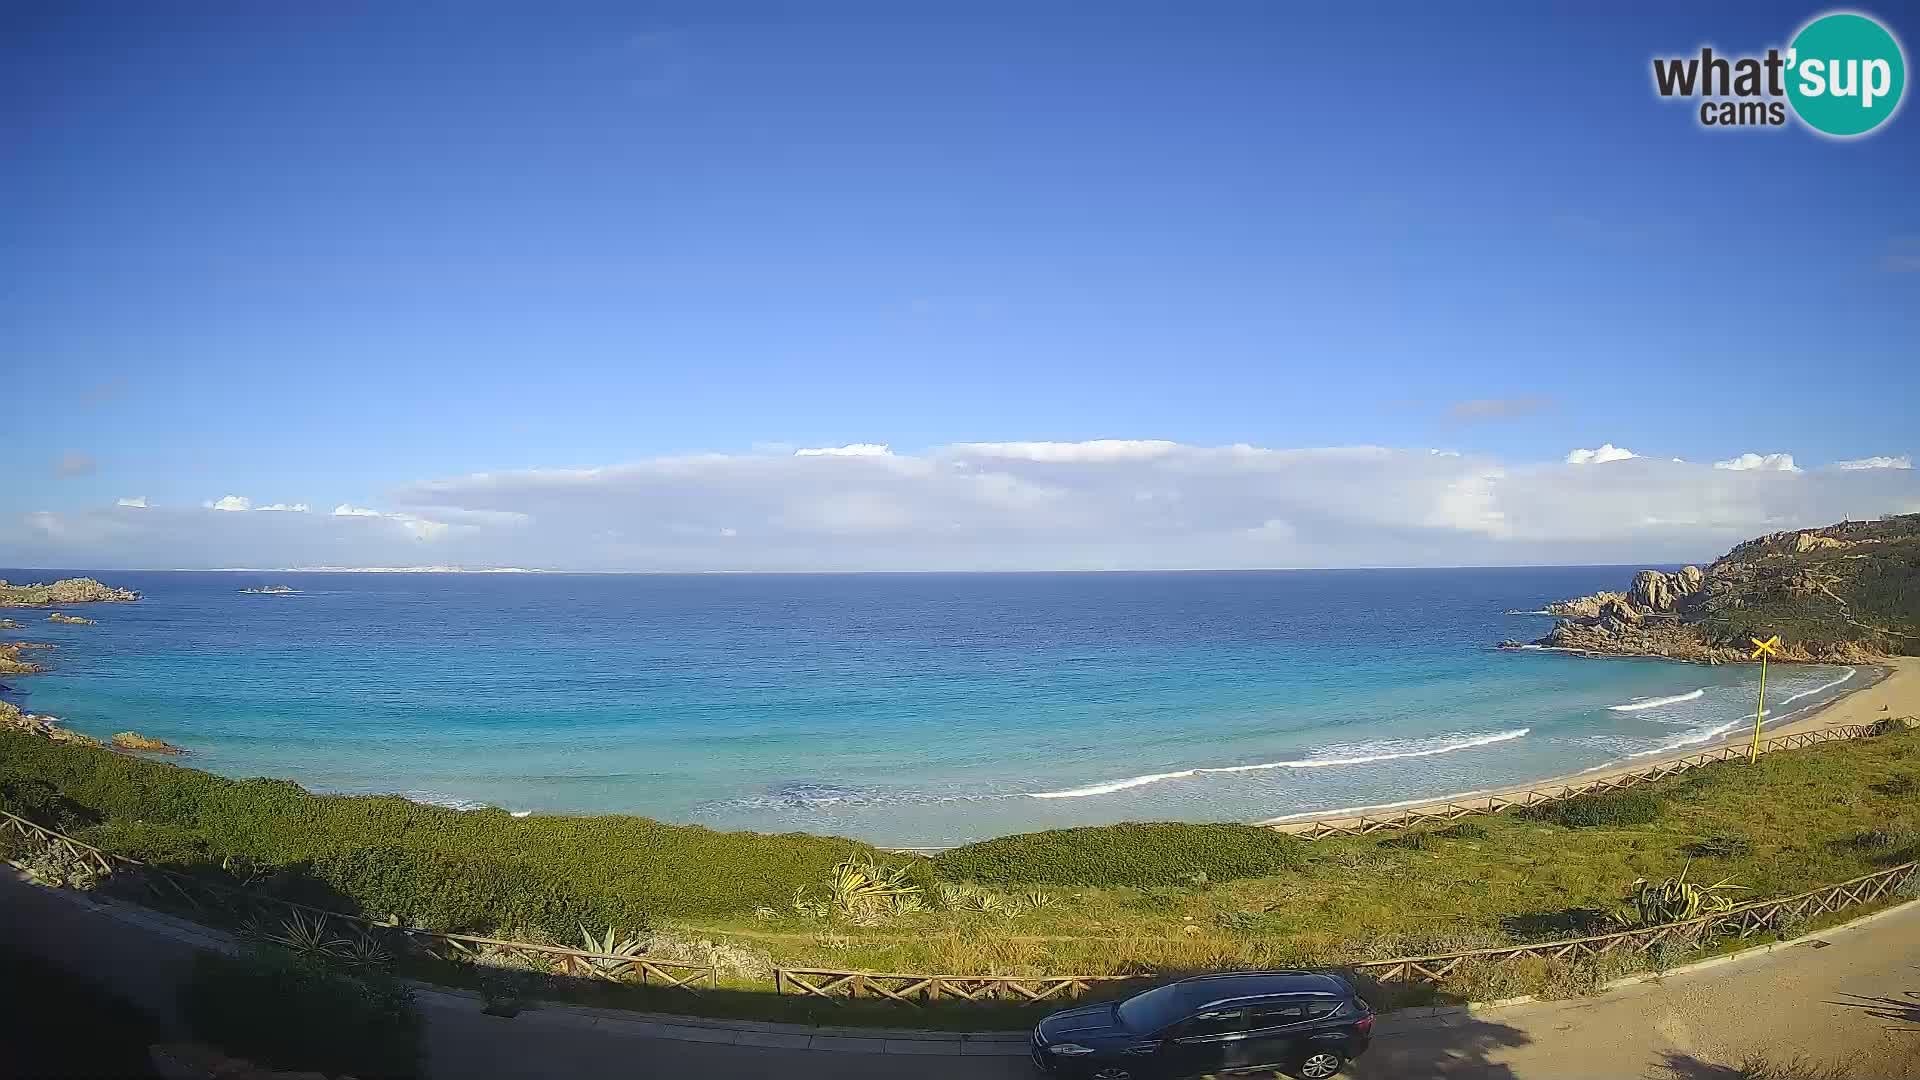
pixel 1897 693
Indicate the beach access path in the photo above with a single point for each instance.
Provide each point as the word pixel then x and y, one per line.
pixel 1898 694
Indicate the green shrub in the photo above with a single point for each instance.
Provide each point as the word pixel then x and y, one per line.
pixel 1464 830
pixel 1153 854
pixel 1718 847
pixel 384 855
pixel 1637 806
pixel 1410 840
pixel 1901 784
pixel 299 1015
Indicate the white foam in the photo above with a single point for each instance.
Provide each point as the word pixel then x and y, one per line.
pixel 1654 703
pixel 520 813
pixel 1304 763
pixel 1828 686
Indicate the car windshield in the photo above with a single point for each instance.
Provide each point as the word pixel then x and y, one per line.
pixel 1152 1010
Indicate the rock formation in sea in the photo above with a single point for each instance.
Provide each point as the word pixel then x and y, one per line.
pixel 78 590
pixel 12 718
pixel 1847 593
pixel 9 624
pixel 10 662
pixel 133 740
pixel 76 620
pixel 270 590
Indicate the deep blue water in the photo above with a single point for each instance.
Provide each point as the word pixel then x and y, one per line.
pixel 905 708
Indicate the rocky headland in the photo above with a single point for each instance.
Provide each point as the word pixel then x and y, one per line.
pixel 80 590
pixel 1848 593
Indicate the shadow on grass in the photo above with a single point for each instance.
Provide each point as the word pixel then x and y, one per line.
pixel 1567 922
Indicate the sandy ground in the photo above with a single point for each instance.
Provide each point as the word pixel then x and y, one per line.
pixel 1898 694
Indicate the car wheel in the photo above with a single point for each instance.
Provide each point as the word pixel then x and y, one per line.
pixel 1319 1065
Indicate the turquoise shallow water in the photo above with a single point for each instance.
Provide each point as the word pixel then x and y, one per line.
pixel 906 709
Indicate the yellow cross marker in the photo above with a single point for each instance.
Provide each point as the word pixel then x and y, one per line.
pixel 1761 650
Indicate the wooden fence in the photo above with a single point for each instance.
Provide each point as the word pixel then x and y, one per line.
pixel 302 926
pixel 1501 802
pixel 1743 921
pixel 929 989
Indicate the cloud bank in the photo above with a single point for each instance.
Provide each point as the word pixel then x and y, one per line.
pixel 1102 504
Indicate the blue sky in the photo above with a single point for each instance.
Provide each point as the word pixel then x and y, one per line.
pixel 327 254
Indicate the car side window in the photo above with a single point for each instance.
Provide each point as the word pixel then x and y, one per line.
pixel 1277 1013
pixel 1220 1022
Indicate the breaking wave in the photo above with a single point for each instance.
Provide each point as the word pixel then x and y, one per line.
pixel 1654 703
pixel 1304 763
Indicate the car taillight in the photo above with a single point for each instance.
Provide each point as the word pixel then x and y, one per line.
pixel 1364 1025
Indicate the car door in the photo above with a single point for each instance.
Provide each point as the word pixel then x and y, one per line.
pixel 1200 1044
pixel 1273 1036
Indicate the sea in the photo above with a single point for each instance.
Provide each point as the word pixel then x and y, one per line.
pixel 912 710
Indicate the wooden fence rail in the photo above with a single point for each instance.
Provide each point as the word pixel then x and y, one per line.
pixel 1439 812
pixel 289 922
pixel 1744 921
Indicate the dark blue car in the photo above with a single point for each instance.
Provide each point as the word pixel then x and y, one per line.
pixel 1304 1023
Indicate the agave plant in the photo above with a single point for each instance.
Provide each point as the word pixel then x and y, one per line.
pixel 1677 899
pixel 304 934
pixel 361 950
pixel 863 884
pixel 609 947
pixel 1040 900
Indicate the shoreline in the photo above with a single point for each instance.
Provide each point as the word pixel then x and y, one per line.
pixel 1895 691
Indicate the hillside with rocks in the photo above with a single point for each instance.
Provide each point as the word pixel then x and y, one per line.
pixel 79 590
pixel 1846 593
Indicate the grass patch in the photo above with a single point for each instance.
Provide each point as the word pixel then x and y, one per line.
pixel 1136 855
pixel 1636 806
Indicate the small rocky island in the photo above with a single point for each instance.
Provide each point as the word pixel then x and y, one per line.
pixel 80 590
pixel 74 620
pixel 270 590
pixel 1847 593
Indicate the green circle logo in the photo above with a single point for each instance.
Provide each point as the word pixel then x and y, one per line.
pixel 1845 74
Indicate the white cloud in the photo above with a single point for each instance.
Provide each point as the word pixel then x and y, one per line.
pixel 1607 452
pixel 1094 450
pixel 1750 462
pixel 290 508
pixel 1877 462
pixel 1142 504
pixel 859 449
pixel 231 503
pixel 138 502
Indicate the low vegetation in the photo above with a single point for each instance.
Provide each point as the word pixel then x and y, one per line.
pixel 1137 855
pixel 1127 899
pixel 291 1012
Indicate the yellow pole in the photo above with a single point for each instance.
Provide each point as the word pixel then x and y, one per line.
pixel 1759 711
